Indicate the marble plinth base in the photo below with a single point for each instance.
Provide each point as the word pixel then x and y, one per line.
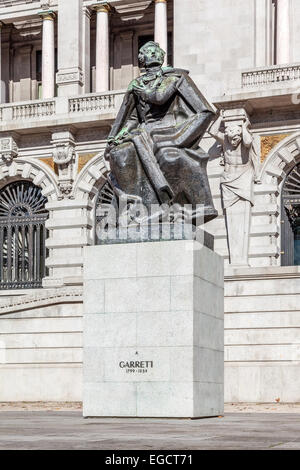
pixel 153 330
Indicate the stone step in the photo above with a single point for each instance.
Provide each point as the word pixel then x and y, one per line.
pixel 262 287
pixel 40 325
pixel 41 340
pixel 43 355
pixel 260 336
pixel 260 319
pixel 272 352
pixel 263 303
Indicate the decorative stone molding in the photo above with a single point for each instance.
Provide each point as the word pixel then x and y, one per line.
pixel 268 142
pixel 8 150
pixel 91 178
pixel 64 158
pixel 44 298
pixel 281 159
pixel 132 11
pixel 83 159
pixel 30 169
pixel 68 77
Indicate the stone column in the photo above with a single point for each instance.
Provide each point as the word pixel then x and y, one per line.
pixel 69 77
pixel 4 64
pixel 86 58
pixel 48 55
pixel 1 82
pixel 161 25
pixel 283 32
pixel 102 48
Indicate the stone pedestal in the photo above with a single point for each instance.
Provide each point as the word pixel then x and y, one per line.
pixel 153 330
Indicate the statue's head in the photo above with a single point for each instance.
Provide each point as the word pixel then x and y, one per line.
pixel 234 135
pixel 151 55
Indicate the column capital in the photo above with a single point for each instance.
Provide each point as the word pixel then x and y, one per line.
pixel 87 12
pixel 103 7
pixel 160 1
pixel 47 14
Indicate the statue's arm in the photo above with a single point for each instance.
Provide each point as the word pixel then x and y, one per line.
pixel 131 124
pixel 124 115
pixel 125 120
pixel 215 131
pixel 247 136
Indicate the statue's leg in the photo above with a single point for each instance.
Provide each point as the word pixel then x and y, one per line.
pixel 238 229
pixel 128 173
pixel 186 172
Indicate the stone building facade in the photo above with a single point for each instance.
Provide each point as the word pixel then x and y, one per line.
pixel 64 67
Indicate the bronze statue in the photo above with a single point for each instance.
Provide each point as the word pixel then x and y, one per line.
pixel 153 147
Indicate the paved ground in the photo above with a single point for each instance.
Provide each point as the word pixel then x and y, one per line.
pixel 68 430
pixel 275 407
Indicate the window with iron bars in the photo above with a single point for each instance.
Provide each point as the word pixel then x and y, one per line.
pixel 22 236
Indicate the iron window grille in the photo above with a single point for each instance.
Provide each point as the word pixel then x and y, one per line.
pixel 290 209
pixel 22 236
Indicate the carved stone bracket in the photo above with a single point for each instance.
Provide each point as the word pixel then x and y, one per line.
pixel 64 157
pixel 8 149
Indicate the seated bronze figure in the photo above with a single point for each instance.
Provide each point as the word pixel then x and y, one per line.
pixel 153 147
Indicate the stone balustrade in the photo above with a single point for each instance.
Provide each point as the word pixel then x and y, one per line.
pixel 33 110
pixel 94 102
pixel 271 75
pixel 43 112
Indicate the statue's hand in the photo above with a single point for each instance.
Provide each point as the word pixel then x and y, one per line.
pixel 108 148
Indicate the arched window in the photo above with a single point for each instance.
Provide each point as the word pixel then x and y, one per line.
pixel 22 236
pixel 290 234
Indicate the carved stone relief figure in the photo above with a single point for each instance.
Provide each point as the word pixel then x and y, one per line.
pixel 64 158
pixel 8 149
pixel 241 166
